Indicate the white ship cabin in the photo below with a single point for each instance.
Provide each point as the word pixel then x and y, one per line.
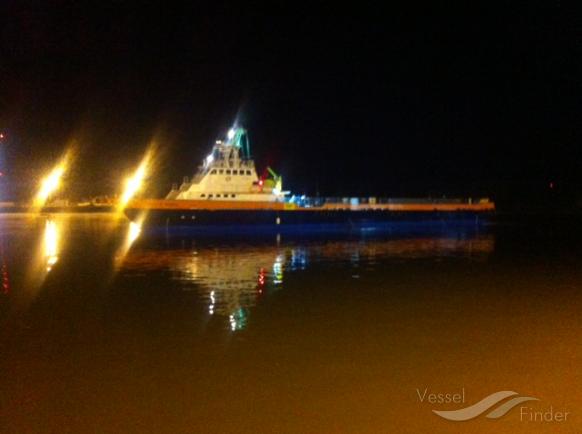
pixel 228 173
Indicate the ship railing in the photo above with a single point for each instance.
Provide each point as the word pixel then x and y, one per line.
pixel 423 200
pixel 308 201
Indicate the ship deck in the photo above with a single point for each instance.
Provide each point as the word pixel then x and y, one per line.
pixel 402 205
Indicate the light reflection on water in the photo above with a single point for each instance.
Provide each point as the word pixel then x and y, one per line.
pixel 228 276
pixel 231 279
pixel 133 232
pixel 51 243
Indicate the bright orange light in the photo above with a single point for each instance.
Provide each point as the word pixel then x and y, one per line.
pixel 135 183
pixel 51 182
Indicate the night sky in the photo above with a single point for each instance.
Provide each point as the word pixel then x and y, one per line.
pixel 375 102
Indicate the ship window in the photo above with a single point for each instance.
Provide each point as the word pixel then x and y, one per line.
pixel 228 171
pixel 210 195
pixel 248 172
pixel 218 195
pixel 203 195
pixel 235 172
pixel 221 171
pixel 233 195
pixel 213 172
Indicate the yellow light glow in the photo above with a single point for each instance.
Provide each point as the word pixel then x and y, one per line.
pixel 133 232
pixel 52 182
pixel 135 183
pixel 51 244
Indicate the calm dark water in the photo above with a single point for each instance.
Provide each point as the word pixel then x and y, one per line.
pixel 104 329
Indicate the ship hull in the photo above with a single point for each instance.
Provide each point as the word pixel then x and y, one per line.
pixel 303 219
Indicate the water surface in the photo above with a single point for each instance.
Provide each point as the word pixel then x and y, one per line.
pixel 107 329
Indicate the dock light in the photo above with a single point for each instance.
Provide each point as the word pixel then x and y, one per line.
pixel 135 183
pixel 51 182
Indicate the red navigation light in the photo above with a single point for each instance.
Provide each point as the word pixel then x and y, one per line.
pixel 261 280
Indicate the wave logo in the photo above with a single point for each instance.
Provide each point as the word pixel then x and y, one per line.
pixel 485 405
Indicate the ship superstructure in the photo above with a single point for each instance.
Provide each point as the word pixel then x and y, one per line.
pixel 228 173
pixel 227 190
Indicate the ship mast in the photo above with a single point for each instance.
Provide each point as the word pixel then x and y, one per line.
pixel 239 138
pixel 231 152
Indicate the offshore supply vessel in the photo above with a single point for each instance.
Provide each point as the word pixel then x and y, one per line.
pixel 227 190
